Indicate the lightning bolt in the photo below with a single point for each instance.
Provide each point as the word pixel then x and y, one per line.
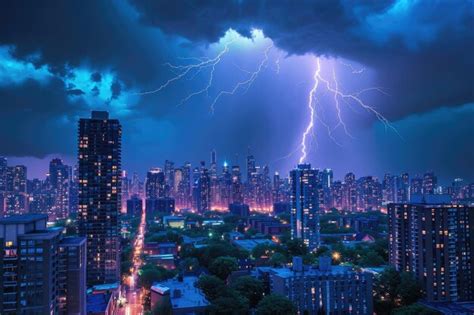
pixel 182 71
pixel 350 98
pixel 310 126
pixel 246 83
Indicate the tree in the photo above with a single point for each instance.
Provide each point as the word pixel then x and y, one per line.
pixel 275 304
pixel 250 288
pixel 223 266
pixel 409 289
pixel 149 274
pixel 211 286
pixel 296 247
pixel 393 289
pixel 278 260
pixel 189 264
pixel 229 302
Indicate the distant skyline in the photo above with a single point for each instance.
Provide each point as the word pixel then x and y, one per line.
pixel 410 60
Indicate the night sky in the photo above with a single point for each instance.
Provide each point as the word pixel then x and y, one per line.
pixel 61 59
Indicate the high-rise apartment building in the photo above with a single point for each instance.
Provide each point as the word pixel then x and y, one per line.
pixel 304 206
pixel 436 243
pixel 42 271
pixel 59 180
pixel 99 195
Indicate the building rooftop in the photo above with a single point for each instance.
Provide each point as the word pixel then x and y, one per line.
pixel 288 272
pixel 250 244
pixel 24 218
pixel 97 303
pixel 183 294
pixel 73 240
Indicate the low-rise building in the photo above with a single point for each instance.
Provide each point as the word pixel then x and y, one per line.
pixel 323 290
pixel 181 295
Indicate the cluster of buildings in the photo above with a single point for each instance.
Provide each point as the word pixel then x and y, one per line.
pixel 54 196
pixel 46 272
pixel 205 188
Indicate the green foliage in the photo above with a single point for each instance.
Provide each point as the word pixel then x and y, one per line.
pixel 211 286
pixel 275 304
pixel 230 302
pixel 393 289
pixel 150 273
pixel 250 288
pixel 189 264
pixel 216 248
pixel 278 260
pixel 296 247
pixel 223 266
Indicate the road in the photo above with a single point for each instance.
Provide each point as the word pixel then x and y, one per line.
pixel 133 293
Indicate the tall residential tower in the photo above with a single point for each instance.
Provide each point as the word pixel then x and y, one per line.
pixel 99 195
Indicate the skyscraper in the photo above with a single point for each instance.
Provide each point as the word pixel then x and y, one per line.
pixel 155 185
pixel 304 205
pixel 203 193
pixel 350 192
pixel 430 183
pixel 59 179
pixel 99 195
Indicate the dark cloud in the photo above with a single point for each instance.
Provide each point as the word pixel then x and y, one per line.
pixel 30 127
pixel 75 92
pixel 96 77
pixel 421 50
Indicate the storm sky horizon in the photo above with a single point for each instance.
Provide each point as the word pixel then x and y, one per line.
pixel 411 61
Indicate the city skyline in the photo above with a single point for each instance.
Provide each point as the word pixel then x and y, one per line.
pixel 169 157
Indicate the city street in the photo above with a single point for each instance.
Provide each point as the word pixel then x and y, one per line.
pixel 133 305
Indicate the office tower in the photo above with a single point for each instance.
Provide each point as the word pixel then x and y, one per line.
pixel 436 243
pixel 185 186
pixel 213 169
pixel 350 192
pixel 237 187
pixel 203 190
pixel 157 207
pixel 430 183
pixel 250 166
pixel 304 206
pixel 337 194
pixel 169 177
pixel 225 188
pixel 416 186
pixel 126 188
pixel 135 206
pixel 16 179
pixel 155 185
pixel 39 275
pixel 369 194
pixel 389 191
pixel 323 290
pixel 59 180
pixel 72 275
pixel 403 188
pixel 178 177
pixel 3 174
pixel 100 140
pixel 326 178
